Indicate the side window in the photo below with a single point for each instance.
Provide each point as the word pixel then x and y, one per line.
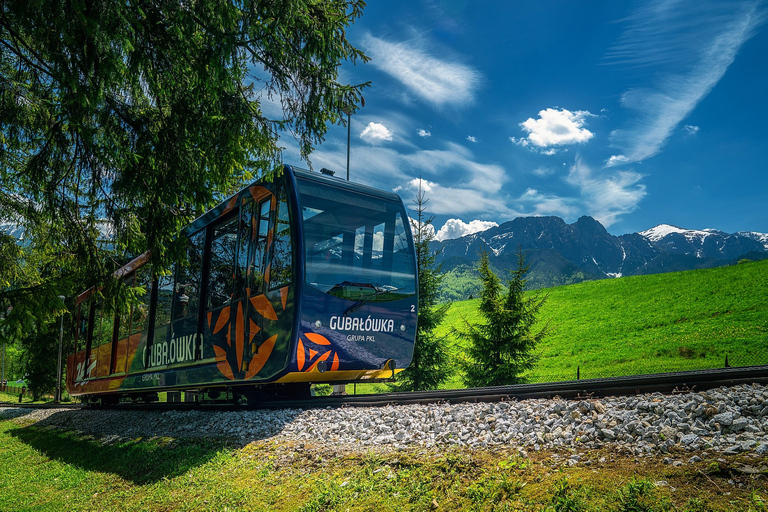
pixel 221 275
pixel 188 280
pixel 245 236
pixel 261 229
pixel 164 301
pixel 140 310
pixel 281 268
pixel 82 327
pixel 103 327
pixel 124 328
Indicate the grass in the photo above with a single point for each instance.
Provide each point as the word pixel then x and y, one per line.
pixel 59 471
pixel 646 324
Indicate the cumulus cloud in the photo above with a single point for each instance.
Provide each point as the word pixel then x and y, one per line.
pixel 417 184
pixel 555 128
pixel 456 228
pixel 376 132
pixel 424 133
pixel 429 229
pixel 437 81
pixel 471 138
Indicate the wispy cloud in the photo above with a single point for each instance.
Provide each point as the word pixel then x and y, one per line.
pixel 686 47
pixel 423 133
pixel 691 130
pixel 471 138
pixel 607 195
pixel 434 80
pixel 539 203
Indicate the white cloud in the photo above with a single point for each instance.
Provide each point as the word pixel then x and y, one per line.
pixel 544 171
pixel 691 130
pixel 555 128
pixel 416 184
pixel 424 133
pixel 456 228
pixel 608 196
pixel 470 138
pixel 440 82
pixel 487 178
pixel 550 204
pixel 376 132
pixel 686 47
pixel 428 228
pixel 615 160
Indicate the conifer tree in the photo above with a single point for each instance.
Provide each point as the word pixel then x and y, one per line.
pixel 431 361
pixel 501 346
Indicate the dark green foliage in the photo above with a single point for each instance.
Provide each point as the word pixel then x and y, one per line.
pixel 122 121
pixel 431 363
pixel 146 113
pixel 500 347
pixel 40 360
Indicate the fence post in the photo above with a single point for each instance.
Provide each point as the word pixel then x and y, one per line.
pixel 578 373
pixel 726 361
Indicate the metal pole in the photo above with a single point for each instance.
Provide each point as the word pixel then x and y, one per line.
pixel 2 379
pixel 58 369
pixel 349 131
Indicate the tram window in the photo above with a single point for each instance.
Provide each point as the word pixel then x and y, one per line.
pixel 188 279
pixel 260 247
pixel 280 270
pixel 124 328
pixel 221 278
pixel 82 336
pixel 140 309
pixel 377 244
pixel 164 302
pixel 356 245
pixel 244 242
pixel 104 326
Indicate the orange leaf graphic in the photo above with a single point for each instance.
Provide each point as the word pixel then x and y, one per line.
pixel 322 358
pixel 316 338
pixel 335 365
pixel 300 355
pixel 260 359
pixel 264 307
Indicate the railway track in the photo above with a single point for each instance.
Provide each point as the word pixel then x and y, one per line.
pixel 675 382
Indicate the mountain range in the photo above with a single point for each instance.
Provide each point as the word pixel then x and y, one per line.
pixel 559 253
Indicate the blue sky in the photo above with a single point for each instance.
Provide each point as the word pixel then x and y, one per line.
pixel 636 113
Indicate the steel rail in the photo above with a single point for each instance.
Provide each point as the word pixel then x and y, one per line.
pixel 674 382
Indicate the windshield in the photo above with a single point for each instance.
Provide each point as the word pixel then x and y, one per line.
pixel 357 246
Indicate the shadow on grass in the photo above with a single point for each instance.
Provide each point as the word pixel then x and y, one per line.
pixel 137 461
pixel 141 460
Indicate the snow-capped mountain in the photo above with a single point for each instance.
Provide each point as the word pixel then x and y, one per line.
pixel 560 253
pixel 760 237
pixel 706 243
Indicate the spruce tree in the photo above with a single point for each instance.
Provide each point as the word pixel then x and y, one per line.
pixel 430 365
pixel 501 346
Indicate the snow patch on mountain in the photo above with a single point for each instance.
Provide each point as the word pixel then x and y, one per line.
pixel 663 230
pixel 760 237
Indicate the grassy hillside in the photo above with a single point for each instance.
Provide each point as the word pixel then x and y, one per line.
pixel 648 324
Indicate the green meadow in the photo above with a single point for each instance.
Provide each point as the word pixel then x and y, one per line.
pixel 645 324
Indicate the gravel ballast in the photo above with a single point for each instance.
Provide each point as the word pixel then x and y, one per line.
pixel 728 420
